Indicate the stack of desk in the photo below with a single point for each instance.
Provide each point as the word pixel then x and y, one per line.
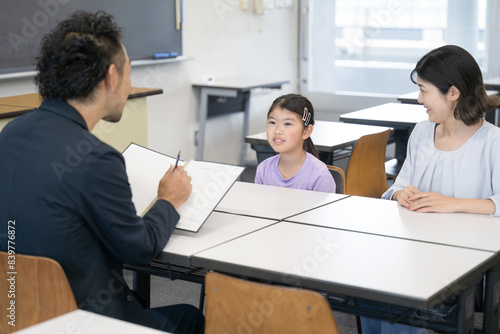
pixel 368 256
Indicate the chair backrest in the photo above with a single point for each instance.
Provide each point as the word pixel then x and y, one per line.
pixel 366 168
pixel 41 290
pixel 339 177
pixel 234 305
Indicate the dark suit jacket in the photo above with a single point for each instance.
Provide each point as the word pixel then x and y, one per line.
pixel 69 196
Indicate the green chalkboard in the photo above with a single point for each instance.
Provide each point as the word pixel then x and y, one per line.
pixel 149 27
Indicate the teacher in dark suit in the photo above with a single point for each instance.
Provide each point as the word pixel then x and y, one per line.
pixel 68 192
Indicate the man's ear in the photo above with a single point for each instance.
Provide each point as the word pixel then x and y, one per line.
pixel 112 78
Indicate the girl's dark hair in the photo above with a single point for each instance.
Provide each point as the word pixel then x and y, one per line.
pixel 75 56
pixel 451 65
pixel 296 104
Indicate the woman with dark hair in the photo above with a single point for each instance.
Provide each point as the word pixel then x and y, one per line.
pixel 453 161
pixel 290 123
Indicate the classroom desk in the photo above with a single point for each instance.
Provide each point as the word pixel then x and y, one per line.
pixel 362 266
pixel 327 137
pixel 219 228
pixel 131 128
pixel 412 98
pixel 225 96
pixel 85 322
pixel 28 101
pixel 175 260
pixel 12 110
pixel 344 246
pixel 257 200
pixel 14 106
pixel 492 84
pixel 234 216
pixel 402 117
pixel 388 218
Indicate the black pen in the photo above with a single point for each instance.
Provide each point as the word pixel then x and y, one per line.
pixel 178 157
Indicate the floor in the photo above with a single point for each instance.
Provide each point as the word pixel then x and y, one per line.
pixel 168 292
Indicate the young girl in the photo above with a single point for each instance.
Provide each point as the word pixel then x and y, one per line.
pixel 290 123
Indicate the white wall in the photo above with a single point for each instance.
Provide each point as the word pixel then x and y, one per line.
pixel 224 42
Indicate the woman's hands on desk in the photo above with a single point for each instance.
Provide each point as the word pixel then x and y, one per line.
pixel 175 186
pixel 415 200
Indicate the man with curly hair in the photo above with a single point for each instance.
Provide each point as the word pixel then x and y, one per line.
pixel 68 192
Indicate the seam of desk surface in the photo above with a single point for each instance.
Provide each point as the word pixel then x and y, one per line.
pixel 29 102
pixel 170 258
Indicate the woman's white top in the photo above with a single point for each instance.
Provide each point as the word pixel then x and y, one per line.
pixel 472 171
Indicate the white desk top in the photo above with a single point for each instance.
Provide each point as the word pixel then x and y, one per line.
pixel 388 114
pixel 391 270
pixel 388 218
pixel 492 83
pixel 413 96
pixel 240 83
pixel 328 136
pixel 270 202
pixel 84 322
pixel 219 228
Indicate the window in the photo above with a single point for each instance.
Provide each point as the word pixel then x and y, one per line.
pixel 367 48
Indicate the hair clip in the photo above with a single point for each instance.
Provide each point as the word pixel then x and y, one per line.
pixel 306 117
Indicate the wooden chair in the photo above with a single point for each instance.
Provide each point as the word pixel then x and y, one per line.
pixel 41 290
pixel 366 169
pixel 339 177
pixel 234 305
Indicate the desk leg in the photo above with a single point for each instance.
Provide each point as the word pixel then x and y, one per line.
pixel 142 284
pixel 202 112
pixel 246 116
pixel 465 312
pixel 491 300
